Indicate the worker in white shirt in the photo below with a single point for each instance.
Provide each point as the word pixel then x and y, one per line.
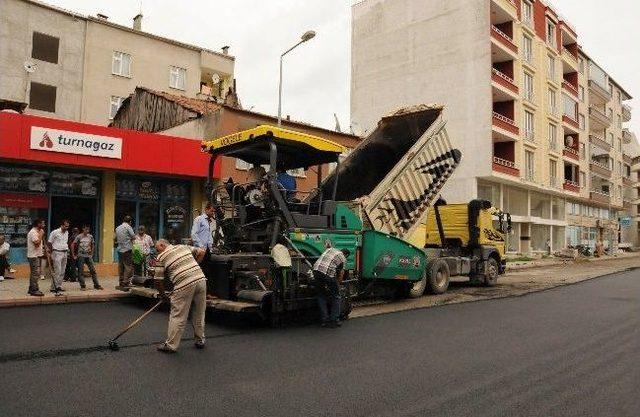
pixel 59 248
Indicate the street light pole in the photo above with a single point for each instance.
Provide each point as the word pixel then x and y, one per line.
pixel 308 35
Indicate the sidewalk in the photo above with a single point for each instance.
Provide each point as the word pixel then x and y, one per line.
pixel 13 292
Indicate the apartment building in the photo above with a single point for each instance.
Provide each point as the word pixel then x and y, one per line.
pixel 58 63
pixel 540 124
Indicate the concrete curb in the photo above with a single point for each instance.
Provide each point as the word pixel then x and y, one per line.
pixel 63 299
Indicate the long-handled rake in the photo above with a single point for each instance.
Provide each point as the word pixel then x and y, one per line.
pixel 113 345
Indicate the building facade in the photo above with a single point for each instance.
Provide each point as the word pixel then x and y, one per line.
pixel 540 124
pixel 57 63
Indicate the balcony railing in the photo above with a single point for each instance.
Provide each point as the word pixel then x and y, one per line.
pixel 504 39
pixel 627 136
pixel 504 80
pixel 570 185
pixel 571 153
pixel 626 112
pixel 528 21
pixel 598 116
pixel 505 123
pixel 570 88
pixel 553 144
pixel 603 93
pixel 530 96
pixel 600 196
pixel 600 143
pixel 600 169
pixel 506 167
pixel 571 121
pixel 554 111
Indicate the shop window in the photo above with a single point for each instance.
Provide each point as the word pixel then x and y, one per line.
pixel 515 202
pixel 540 235
pixel 513 238
pixel 45 47
pixel 540 205
pixel 489 192
pixel 42 97
pixel 162 206
pixel 558 237
pixel 558 209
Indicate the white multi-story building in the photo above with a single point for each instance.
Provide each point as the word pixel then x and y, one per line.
pixel 540 124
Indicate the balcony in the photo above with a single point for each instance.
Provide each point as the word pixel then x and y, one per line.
pixel 628 182
pixel 569 61
pixel 571 122
pixel 502 9
pixel 572 186
pixel 600 196
pixel 568 87
pixel 598 94
pixel 626 113
pixel 504 41
pixel 627 159
pixel 508 90
pixel 600 120
pixel 600 143
pixel 505 167
pixel 504 124
pixel 600 169
pixel 571 153
pixel 627 136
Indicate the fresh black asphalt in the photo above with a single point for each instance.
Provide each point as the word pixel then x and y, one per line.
pixel 571 351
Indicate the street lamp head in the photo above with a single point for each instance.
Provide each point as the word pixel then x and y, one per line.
pixel 308 35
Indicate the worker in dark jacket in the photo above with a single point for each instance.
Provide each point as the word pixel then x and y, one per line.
pixel 328 272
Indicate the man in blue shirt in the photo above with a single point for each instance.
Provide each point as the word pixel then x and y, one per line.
pixel 288 182
pixel 205 232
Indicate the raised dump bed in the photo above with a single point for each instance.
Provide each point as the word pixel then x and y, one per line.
pixel 399 170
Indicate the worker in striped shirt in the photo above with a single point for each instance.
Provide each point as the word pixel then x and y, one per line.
pixel 177 267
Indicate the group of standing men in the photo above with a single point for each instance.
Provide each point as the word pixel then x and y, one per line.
pixel 57 251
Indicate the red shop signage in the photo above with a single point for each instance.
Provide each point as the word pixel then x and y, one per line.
pixel 23 200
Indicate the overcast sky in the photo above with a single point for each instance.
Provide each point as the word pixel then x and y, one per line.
pixel 316 75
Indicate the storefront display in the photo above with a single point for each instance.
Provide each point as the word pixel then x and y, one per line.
pixel 162 206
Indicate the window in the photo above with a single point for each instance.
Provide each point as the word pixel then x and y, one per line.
pixel 121 64
pixel 527 12
pixel 551 69
pixel 529 125
pixel 619 97
pixel 581 65
pixel 583 150
pixel 45 47
pixel 619 168
pixel 553 136
pixel 583 179
pixel 553 173
pixel 581 121
pixel 528 87
pixel 527 49
pixel 619 122
pixel 570 107
pixel 551 33
pixel 581 93
pixel 42 97
pixel 242 165
pixel 529 165
pixel 552 101
pixel 177 78
pixel 114 105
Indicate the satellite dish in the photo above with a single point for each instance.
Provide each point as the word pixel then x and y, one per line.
pixel 215 78
pixel 30 67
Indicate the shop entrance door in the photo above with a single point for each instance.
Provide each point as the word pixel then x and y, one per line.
pixel 79 211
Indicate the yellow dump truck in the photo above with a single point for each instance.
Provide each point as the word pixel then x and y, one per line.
pixel 464 239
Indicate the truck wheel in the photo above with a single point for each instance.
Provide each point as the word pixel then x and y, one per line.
pixel 438 277
pixel 491 276
pixel 416 289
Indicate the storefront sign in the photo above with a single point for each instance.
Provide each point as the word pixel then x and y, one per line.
pixel 625 222
pixel 53 140
pixel 23 200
